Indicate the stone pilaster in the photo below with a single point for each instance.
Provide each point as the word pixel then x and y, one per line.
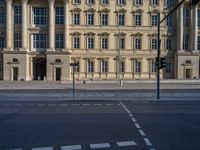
pixel 180 29
pixel 195 29
pixel 66 24
pixel 24 24
pixel 51 25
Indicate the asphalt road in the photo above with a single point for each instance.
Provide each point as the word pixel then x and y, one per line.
pixel 101 125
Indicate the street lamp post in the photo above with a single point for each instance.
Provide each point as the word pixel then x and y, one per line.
pixel 73 65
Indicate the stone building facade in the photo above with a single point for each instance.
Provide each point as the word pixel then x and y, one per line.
pixel 109 39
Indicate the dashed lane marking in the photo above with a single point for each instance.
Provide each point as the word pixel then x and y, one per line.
pixel 100 145
pixel 147 142
pixel 43 148
pixel 75 104
pixel 71 147
pixel 86 104
pixel 109 104
pixel 137 125
pixel 133 119
pixel 127 143
pixel 142 132
pixel 18 104
pixel 63 104
pixel 14 149
pixel 52 104
pixel 131 115
pixel 30 104
pixel 41 104
pixel 7 104
pixel 97 104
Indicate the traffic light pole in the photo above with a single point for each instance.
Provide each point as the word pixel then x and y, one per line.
pixel 158 58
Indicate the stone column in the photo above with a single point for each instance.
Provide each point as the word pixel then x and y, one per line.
pixel 51 26
pixel 195 28
pixel 66 24
pixel 24 24
pixel 180 29
pixel 9 39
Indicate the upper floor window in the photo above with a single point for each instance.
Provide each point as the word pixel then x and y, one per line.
pixel 121 19
pixel 40 15
pixel 198 17
pixel 104 43
pixel 39 41
pixel 198 42
pixel 104 2
pixel 121 42
pixel 168 67
pixel 76 18
pixel 154 20
pixel 90 42
pixel 138 43
pixel 90 18
pixel 59 40
pixel 1 66
pixel 168 44
pixel 17 14
pixel 169 21
pixel 138 2
pixel 138 19
pixel 90 2
pixel 104 19
pixel 168 3
pixel 153 66
pixel 76 42
pixel 17 40
pixel 2 41
pixel 76 1
pixel 186 41
pixel 154 43
pixel 186 17
pixel 121 2
pixel 154 2
pixel 104 66
pixel 2 15
pixel 59 15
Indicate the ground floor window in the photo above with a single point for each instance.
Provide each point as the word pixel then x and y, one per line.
pixel 90 66
pixel 1 66
pixel 104 66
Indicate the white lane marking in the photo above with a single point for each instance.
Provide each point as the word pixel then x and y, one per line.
pixel 142 132
pixel 18 104
pixel 147 142
pixel 7 104
pixel 100 145
pixel 71 147
pixel 52 104
pixel 75 104
pixel 86 104
pixel 133 119
pixel 109 104
pixel 29 104
pixel 14 149
pixel 126 143
pixel 43 148
pixel 63 104
pixel 97 104
pixel 128 111
pixel 41 104
pixel 137 125
pixel 131 115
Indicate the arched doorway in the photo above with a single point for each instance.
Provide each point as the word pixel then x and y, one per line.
pixel 39 68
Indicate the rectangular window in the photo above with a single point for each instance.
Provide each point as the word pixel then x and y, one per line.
pixel 185 41
pixel 104 66
pixel 2 41
pixel 154 43
pixel 168 67
pixel 169 21
pixel 168 3
pixel 153 66
pixel 77 68
pixel 121 2
pixel 39 41
pixel 137 66
pixel 59 15
pixel 121 43
pixel 198 42
pixel 40 15
pixel 90 19
pixel 138 43
pixel 104 19
pixel 91 2
pixel 104 2
pixel 59 40
pixel 121 19
pixel 1 66
pixel 90 42
pixel 2 15
pixel 138 2
pixel 198 17
pixel 138 19
pixel 186 17
pixel 17 14
pixel 90 66
pixel 168 44
pixel 122 66
pixel 154 20
pixel 154 2
pixel 17 40
pixel 77 1
pixel 104 43
pixel 76 42
pixel 76 18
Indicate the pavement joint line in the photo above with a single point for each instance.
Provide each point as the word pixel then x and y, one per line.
pixel 43 148
pixel 142 132
pixel 71 147
pixel 126 143
pixel 137 125
pixel 100 145
pixel 148 143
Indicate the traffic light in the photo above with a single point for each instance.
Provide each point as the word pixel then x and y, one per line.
pixel 163 62
pixel 195 2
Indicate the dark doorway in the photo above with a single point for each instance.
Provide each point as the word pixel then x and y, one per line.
pixel 58 74
pixel 188 73
pixel 15 73
pixel 39 68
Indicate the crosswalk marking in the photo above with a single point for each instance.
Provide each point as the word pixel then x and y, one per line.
pixel 43 148
pixel 100 145
pixel 147 142
pixel 127 143
pixel 71 147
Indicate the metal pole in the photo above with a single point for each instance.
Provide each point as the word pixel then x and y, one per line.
pixel 73 82
pixel 158 58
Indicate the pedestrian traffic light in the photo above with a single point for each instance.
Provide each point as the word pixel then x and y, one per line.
pixel 195 2
pixel 163 62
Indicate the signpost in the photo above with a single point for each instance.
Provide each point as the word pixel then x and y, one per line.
pixel 73 65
